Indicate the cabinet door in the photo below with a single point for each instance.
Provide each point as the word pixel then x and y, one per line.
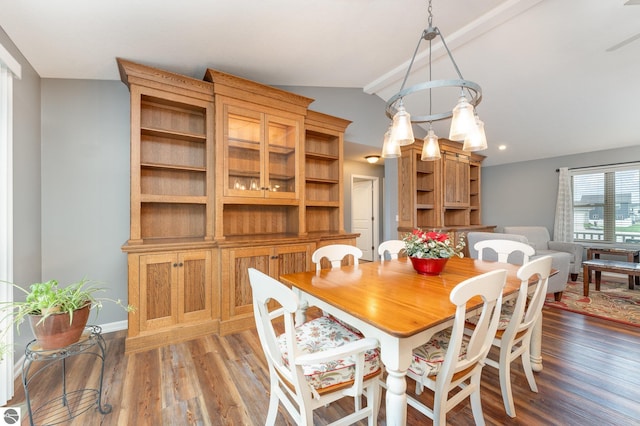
pixel 260 154
pixel 291 259
pixel 456 180
pixel 243 153
pixel 236 288
pixel 281 165
pixel 194 286
pixel 158 291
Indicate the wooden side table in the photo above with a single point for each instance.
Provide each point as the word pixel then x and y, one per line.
pixel 631 255
pixel 71 403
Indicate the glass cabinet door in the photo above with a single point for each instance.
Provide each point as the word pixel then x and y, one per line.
pixel 260 154
pixel 243 136
pixel 280 167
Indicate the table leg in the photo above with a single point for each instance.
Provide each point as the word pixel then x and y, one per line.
pixel 598 279
pixel 636 259
pixel 535 347
pixel 396 397
pixel 632 279
pixel 586 279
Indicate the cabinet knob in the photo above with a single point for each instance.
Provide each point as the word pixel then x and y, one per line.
pixel 175 265
pixel 180 264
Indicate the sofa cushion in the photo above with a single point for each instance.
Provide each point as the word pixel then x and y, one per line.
pixel 537 236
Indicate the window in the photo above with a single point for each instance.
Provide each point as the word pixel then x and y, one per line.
pixel 606 204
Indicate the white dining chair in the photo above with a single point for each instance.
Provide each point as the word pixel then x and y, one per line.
pixel 504 248
pixel 453 360
pixel 334 253
pixel 316 363
pixel 392 247
pixel 514 339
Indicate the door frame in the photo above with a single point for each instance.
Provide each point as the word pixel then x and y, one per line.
pixel 376 209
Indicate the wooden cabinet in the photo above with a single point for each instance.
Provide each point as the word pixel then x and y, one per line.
pixel 323 189
pixel 442 195
pixel 226 174
pixel 259 159
pixel 171 156
pixel 170 289
pixel 273 260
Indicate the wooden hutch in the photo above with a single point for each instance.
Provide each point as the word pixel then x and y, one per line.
pixel 441 195
pixel 226 174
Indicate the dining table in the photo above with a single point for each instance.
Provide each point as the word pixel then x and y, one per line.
pixel 391 302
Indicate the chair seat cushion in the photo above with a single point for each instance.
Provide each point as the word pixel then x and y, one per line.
pixel 326 333
pixel 505 315
pixel 428 358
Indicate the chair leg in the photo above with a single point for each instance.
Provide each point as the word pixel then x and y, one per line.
pixel 373 401
pixel 528 371
pixel 557 296
pixel 476 403
pixel 273 409
pixel 505 381
pixel 574 277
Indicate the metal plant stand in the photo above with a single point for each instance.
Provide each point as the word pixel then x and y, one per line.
pixel 70 403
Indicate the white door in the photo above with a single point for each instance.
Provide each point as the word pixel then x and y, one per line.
pixel 362 216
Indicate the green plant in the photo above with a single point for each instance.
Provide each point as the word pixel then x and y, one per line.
pixel 48 298
pixel 431 245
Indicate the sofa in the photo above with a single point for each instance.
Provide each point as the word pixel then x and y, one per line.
pixel 538 238
pixel 560 259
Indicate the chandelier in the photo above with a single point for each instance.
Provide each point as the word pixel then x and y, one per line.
pixel 465 124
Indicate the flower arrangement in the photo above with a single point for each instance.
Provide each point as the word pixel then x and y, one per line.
pixel 432 245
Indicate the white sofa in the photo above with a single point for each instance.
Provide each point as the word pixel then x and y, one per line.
pixel 538 238
pixel 560 259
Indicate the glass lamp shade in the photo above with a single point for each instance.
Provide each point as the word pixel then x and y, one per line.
pixel 463 120
pixel 476 140
pixel 401 131
pixel 431 147
pixel 390 149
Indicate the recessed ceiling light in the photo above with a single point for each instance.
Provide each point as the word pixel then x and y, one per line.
pixel 502 147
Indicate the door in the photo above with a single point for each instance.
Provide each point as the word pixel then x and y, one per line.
pixel 364 212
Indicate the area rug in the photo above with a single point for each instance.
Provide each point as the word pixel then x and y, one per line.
pixel 615 301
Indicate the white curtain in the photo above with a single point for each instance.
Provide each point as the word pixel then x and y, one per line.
pixel 9 69
pixel 563 227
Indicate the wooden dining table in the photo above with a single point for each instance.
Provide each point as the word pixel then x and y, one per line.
pixel 401 308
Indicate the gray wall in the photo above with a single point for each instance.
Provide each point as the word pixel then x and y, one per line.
pixel 525 193
pixel 85 185
pixel 26 180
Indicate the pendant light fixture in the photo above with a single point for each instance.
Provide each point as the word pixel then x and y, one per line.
pixel 464 119
pixel 389 150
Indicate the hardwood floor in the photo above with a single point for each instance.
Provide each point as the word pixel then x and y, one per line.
pixel 591 376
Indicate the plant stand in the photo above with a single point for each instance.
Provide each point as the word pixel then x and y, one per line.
pixel 72 403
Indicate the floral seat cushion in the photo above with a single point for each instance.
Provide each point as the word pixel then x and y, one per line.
pixel 428 358
pixel 505 315
pixel 326 333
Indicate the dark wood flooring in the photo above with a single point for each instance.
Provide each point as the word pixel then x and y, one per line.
pixel 591 376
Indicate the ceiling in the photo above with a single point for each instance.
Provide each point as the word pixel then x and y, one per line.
pixel 558 77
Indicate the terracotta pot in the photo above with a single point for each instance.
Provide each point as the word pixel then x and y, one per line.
pixel 55 332
pixel 428 266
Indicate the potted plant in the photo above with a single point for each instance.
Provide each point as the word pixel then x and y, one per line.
pixel 57 314
pixel 430 251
